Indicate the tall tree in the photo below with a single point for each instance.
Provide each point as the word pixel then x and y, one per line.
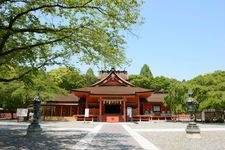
pixel 19 94
pixel 145 71
pixel 162 83
pixel 140 81
pixel 67 78
pixel 35 34
pixel 90 77
pixel 210 90
pixel 175 99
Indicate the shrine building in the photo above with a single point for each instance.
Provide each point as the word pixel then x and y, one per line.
pixel 111 99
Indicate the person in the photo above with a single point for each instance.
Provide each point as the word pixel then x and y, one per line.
pixel 31 115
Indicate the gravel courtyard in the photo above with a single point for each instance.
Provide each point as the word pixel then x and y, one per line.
pixel 171 136
pixel 79 135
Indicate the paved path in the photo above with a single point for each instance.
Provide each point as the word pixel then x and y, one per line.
pixel 113 136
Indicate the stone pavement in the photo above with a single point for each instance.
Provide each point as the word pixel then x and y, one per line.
pixel 79 135
pixel 113 136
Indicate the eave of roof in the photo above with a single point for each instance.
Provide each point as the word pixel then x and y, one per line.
pixel 66 98
pixel 112 90
pixel 156 97
pixel 59 104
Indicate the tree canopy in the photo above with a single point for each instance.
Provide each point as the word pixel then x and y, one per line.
pixel 208 91
pixel 35 34
pixel 176 96
pixel 145 71
pixel 90 78
pixel 157 84
pixel 20 94
pixel 67 78
pixel 140 81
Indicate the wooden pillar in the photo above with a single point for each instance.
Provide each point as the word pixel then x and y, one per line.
pixel 51 110
pixel 100 109
pixel 139 105
pixel 70 110
pixel 124 110
pixel 44 108
pixel 121 107
pixel 78 106
pixel 61 111
pixel 87 99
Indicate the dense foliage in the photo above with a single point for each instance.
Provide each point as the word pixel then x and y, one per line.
pixel 20 94
pixel 208 90
pixel 146 80
pixel 36 34
pixel 67 78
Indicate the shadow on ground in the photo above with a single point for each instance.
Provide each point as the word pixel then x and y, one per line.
pixel 17 139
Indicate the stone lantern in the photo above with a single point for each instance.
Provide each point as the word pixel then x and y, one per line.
pixel 192 129
pixel 34 128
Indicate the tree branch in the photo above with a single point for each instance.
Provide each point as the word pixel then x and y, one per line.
pixel 52 6
pixel 21 75
pixel 43 30
pixel 13 19
pixel 46 62
pixel 32 46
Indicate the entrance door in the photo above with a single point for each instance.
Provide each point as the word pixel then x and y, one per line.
pixel 113 112
pixel 112 109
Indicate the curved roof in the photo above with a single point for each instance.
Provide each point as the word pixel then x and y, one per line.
pixel 112 75
pixel 112 84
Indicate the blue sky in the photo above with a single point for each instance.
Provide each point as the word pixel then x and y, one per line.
pixel 179 39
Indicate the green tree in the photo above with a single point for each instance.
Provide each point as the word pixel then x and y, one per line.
pixel 10 100
pixel 140 81
pixel 46 85
pixel 20 94
pixel 35 34
pixel 145 71
pixel 210 90
pixel 214 100
pixel 162 83
pixel 90 78
pixel 176 98
pixel 67 78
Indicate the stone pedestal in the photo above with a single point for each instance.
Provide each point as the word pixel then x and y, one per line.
pixel 192 130
pixel 34 129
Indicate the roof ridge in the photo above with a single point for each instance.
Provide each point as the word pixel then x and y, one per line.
pixel 113 71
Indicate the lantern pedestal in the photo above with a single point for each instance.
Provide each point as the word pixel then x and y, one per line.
pixel 192 130
pixel 34 130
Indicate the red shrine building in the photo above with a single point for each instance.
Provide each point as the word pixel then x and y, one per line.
pixel 111 99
